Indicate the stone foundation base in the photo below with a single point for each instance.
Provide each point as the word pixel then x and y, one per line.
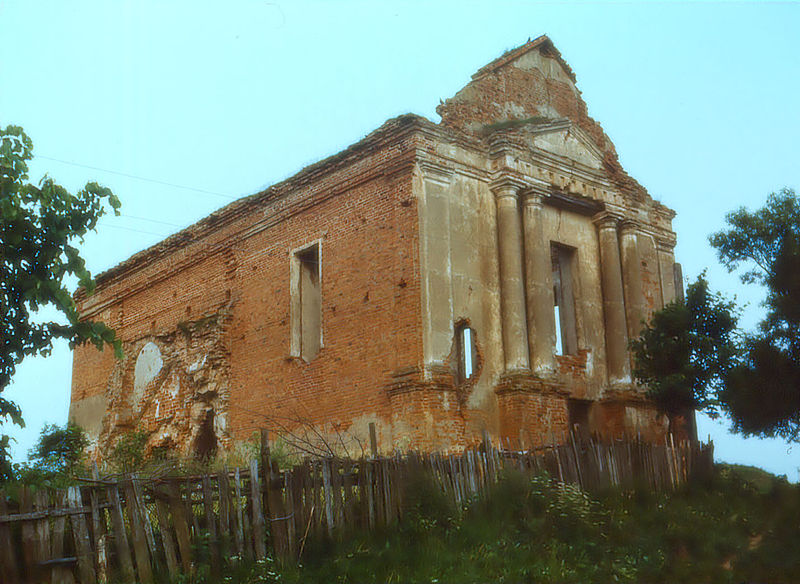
pixel 426 414
pixel 533 412
pixel 629 415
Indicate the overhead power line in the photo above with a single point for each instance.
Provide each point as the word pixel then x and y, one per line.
pixel 151 220
pixel 142 178
pixel 111 225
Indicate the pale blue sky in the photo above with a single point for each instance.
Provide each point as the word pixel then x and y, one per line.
pixel 701 100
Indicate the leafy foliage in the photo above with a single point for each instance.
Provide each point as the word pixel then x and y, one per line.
pixel 38 226
pixel 762 393
pixel 59 450
pixel 129 453
pixel 56 460
pixel 686 351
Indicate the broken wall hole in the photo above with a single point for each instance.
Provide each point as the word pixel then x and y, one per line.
pixel 578 417
pixel 205 443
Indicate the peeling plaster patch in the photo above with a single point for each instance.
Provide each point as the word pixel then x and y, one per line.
pixel 176 388
pixel 220 424
pixel 197 364
pixel 589 363
pixel 148 364
pixel 158 408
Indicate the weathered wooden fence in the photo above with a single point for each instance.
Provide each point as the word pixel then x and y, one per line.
pixel 136 529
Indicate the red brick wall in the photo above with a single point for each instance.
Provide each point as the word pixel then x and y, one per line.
pixel 370 309
pixel 367 220
pixel 95 367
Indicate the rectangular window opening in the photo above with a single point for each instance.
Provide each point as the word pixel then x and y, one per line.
pixel 563 258
pixel 467 352
pixel 306 303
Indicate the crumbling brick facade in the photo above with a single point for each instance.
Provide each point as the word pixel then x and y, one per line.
pixel 440 281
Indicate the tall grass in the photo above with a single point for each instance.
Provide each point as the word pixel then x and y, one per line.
pixel 536 530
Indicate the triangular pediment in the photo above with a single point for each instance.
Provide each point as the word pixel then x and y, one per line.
pixel 564 138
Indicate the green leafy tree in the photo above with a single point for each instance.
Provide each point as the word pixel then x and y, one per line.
pixel 59 449
pixel 129 453
pixel 39 225
pixel 762 393
pixel 687 350
pixel 57 458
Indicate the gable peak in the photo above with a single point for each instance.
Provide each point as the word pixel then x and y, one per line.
pixel 541 43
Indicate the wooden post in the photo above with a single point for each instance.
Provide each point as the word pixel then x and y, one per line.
pixel 166 537
pixel 41 503
pixel 181 527
pixel 211 525
pixel 368 484
pixel 58 574
pixel 243 539
pixel 259 535
pixel 28 532
pixel 148 528
pixel 328 487
pixel 98 522
pixel 8 563
pixel 80 535
pixel 140 548
pixel 266 469
pixel 373 440
pixel 287 519
pixel 120 535
pixel 227 529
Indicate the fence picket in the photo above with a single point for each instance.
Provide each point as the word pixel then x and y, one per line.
pixel 328 488
pixel 59 573
pixel 162 513
pixel 120 535
pixel 211 525
pixel 243 535
pixel 80 536
pixel 41 502
pixel 141 551
pixel 8 563
pixel 227 529
pixel 28 533
pixel 259 535
pixel 179 521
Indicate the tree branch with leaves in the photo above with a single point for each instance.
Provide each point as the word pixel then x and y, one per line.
pixel 40 226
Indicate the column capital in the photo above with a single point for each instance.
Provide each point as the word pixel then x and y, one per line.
pixel 607 220
pixel 507 185
pixel 629 226
pixel 533 195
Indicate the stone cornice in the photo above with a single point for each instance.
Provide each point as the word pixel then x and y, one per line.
pixel 528 383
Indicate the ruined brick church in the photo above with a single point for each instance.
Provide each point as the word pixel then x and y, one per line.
pixel 438 282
